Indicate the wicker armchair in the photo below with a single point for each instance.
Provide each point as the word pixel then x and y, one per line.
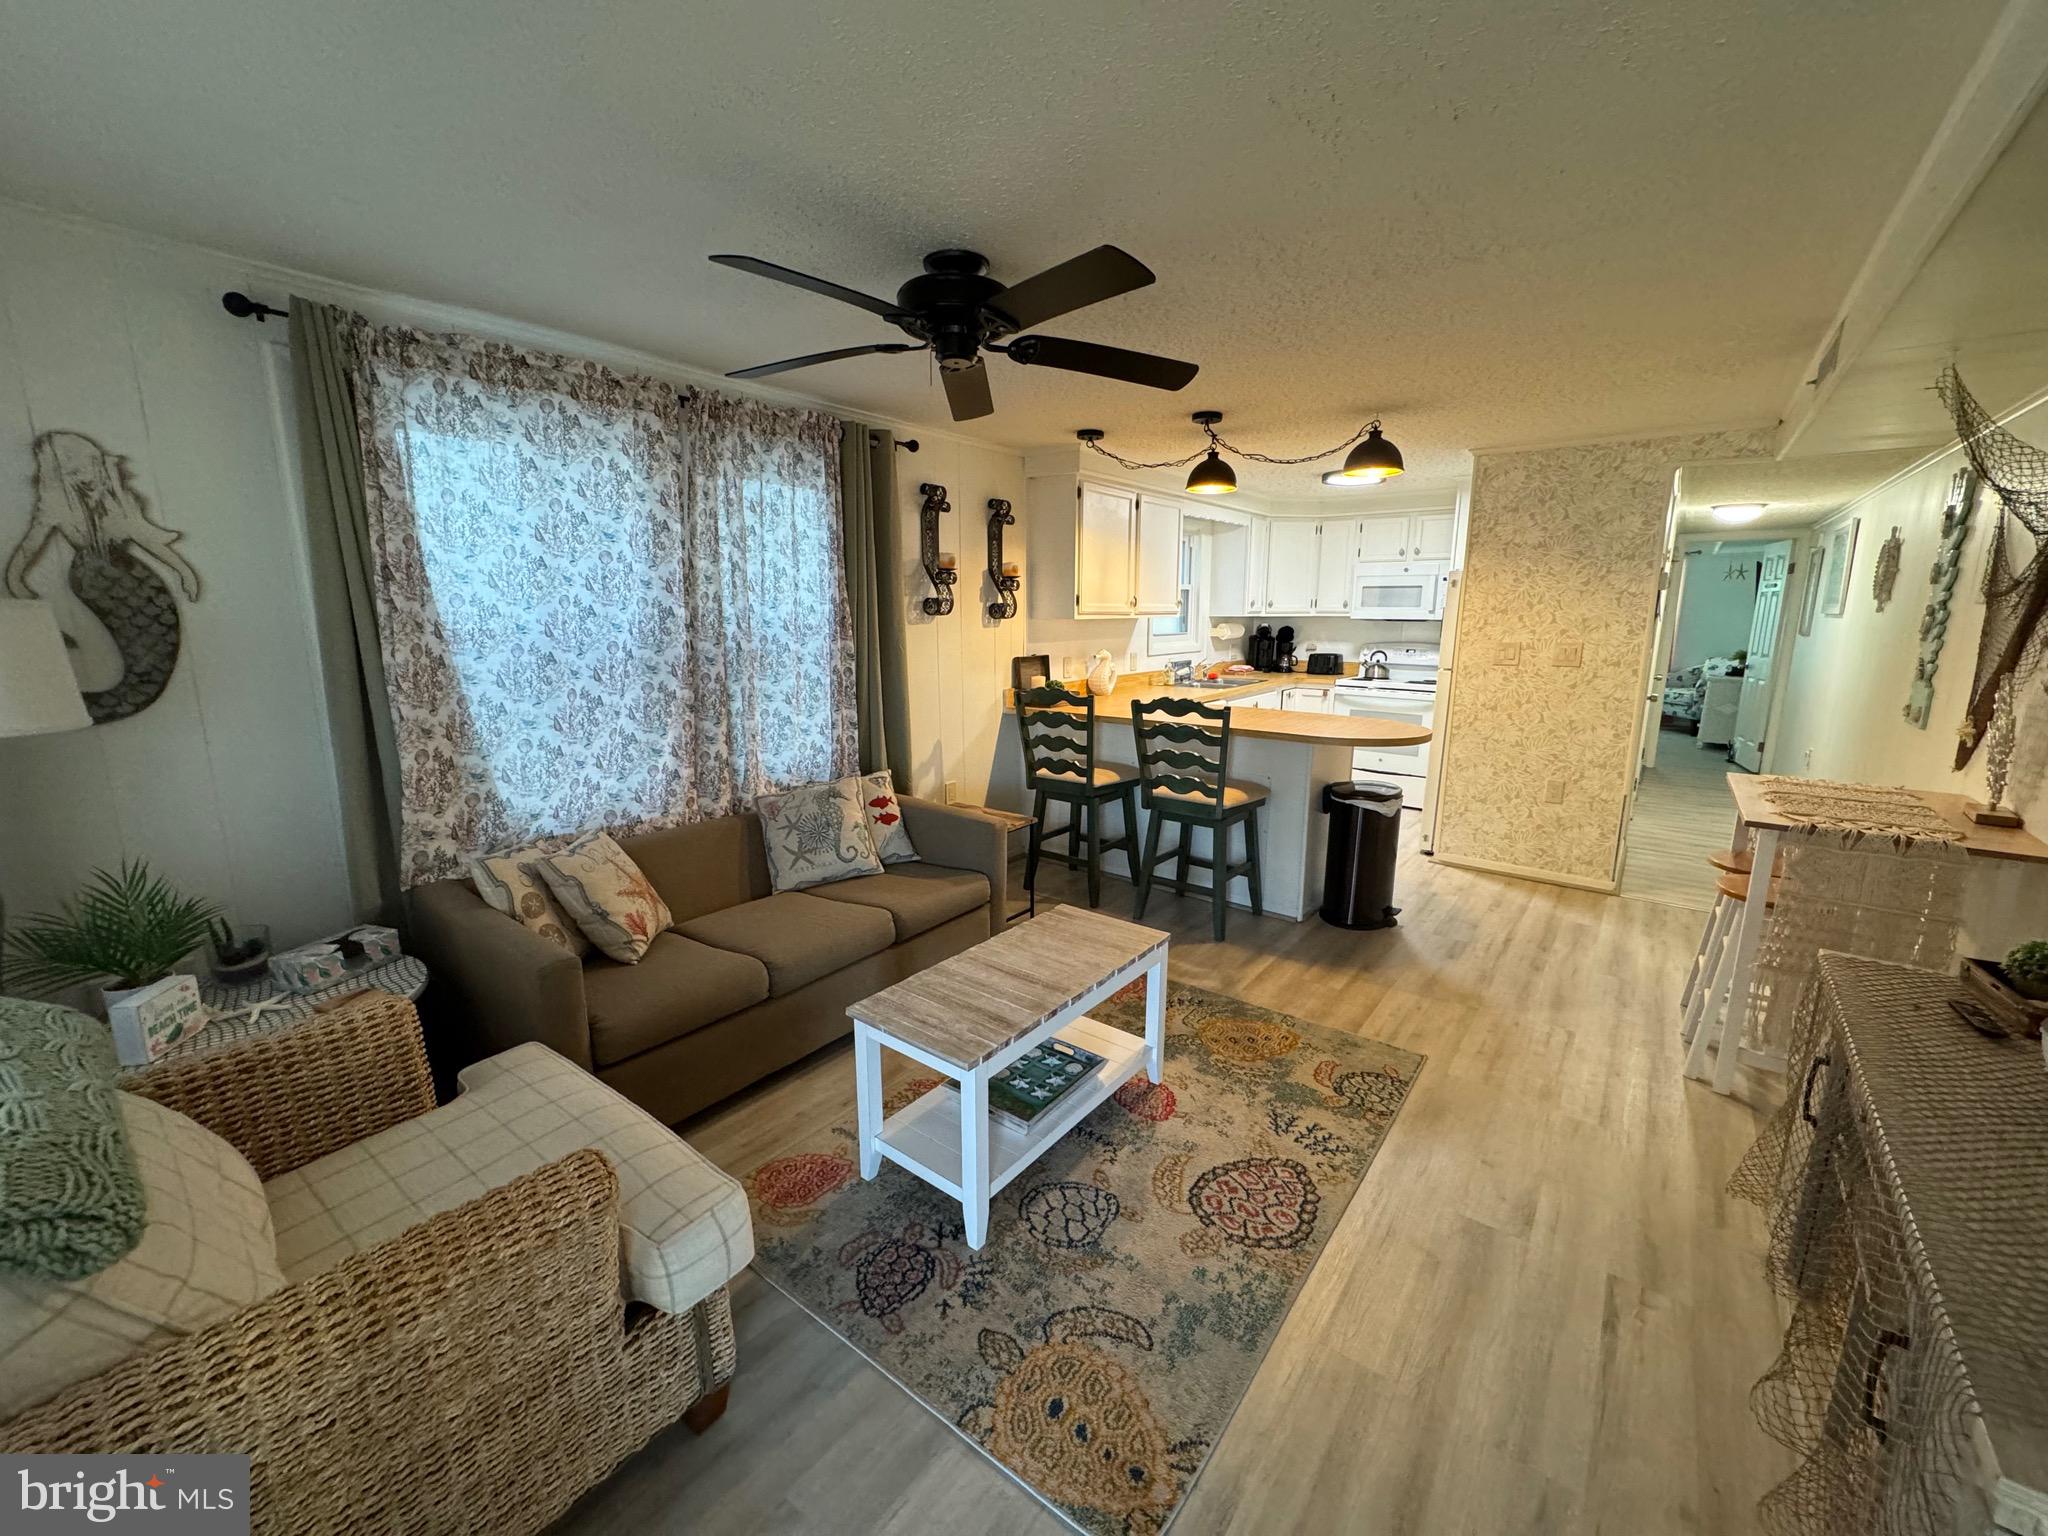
pixel 477 1372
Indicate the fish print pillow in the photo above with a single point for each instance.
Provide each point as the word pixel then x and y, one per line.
pixel 816 835
pixel 877 795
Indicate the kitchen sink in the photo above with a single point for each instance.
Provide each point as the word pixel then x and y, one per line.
pixel 1219 682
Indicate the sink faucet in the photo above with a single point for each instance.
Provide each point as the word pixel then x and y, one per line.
pixel 1180 673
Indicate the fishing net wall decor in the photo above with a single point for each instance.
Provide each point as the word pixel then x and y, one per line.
pixel 1857 883
pixel 1901 1181
pixel 2015 600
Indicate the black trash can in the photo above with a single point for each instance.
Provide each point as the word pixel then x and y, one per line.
pixel 1365 836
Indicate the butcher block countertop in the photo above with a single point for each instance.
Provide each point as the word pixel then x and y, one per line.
pixel 1265 724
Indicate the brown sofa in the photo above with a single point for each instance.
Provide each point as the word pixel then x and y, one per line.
pixel 746 981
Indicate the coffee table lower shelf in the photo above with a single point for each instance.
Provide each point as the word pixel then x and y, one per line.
pixel 924 1136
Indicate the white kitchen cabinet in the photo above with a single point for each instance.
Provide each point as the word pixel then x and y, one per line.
pixel 1155 581
pixel 1291 566
pixel 1313 701
pixel 1333 569
pixel 1100 552
pixel 1389 536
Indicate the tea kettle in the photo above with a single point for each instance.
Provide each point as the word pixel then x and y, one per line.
pixel 1374 668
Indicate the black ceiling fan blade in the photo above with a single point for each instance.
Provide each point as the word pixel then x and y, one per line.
pixel 762 370
pixel 1089 278
pixel 967 391
pixel 1106 362
pixel 795 279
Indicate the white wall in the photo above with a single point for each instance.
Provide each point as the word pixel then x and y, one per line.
pixel 226 783
pixel 1840 717
pixel 1713 612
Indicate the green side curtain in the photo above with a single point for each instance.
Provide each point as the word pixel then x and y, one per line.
pixel 881 668
pixel 345 617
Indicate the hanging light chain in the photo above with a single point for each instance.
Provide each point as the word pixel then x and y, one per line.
pixel 1216 442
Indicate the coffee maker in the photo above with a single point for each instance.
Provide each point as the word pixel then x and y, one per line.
pixel 1258 649
pixel 1283 649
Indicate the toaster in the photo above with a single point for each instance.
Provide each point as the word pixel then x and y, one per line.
pixel 1325 663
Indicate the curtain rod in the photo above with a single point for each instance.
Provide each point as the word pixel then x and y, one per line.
pixel 242 307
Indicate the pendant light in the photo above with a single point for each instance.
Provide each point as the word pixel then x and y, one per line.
pixel 1211 477
pixel 1373 460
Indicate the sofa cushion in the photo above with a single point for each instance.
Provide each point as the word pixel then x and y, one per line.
pixel 603 889
pixel 677 986
pixel 512 883
pixel 798 936
pixel 816 833
pixel 207 1251
pixel 917 897
pixel 684 1229
pixel 704 866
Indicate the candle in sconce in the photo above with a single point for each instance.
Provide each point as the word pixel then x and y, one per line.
pixel 948 562
pixel 1012 568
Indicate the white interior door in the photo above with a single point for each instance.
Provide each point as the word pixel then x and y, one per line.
pixel 1760 676
pixel 1668 603
pixel 1102 552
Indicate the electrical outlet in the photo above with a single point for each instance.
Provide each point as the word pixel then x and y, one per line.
pixel 1553 792
pixel 952 791
pixel 1567 653
pixel 1808 763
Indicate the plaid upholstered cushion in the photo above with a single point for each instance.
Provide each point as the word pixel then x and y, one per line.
pixel 205 1253
pixel 684 1225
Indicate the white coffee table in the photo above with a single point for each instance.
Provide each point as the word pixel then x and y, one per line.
pixel 971 1016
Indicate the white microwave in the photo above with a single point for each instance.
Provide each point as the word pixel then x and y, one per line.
pixel 1389 589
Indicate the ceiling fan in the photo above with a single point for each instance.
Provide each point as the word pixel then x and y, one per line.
pixel 957 311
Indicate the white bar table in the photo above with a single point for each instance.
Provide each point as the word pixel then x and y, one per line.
pixel 970 1016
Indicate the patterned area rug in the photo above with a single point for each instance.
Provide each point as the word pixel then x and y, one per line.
pixel 1133 1277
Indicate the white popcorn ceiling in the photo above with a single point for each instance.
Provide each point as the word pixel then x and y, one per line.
pixel 1491 223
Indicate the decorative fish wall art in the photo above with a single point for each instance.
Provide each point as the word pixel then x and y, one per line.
pixel 86 495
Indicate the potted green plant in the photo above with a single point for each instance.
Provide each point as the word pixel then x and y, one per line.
pixel 123 932
pixel 2026 967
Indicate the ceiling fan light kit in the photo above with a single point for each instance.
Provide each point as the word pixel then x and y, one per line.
pixel 1372 458
pixel 957 312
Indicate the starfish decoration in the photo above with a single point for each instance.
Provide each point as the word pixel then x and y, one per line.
pixel 261 1006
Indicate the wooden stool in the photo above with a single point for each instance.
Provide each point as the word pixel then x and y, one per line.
pixel 1705 1003
pixel 1060 765
pixel 1183 766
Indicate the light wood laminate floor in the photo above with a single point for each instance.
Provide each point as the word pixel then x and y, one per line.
pixel 1683 812
pixel 1541 1313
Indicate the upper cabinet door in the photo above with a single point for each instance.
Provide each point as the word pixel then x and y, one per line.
pixel 1102 552
pixel 1385 537
pixel 1156 582
pixel 1291 566
pixel 1432 536
pixel 1258 563
pixel 1333 568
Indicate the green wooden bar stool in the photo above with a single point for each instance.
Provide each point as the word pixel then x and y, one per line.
pixel 1184 768
pixel 1060 765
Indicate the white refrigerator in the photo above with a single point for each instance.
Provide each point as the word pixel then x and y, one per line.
pixel 1446 686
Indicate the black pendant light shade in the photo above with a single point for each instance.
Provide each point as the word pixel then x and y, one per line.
pixel 1212 477
pixel 1373 460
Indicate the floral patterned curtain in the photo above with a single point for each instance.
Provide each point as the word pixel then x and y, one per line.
pixel 600 605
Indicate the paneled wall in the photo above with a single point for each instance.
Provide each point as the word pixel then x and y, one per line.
pixel 226 783
pixel 1564 549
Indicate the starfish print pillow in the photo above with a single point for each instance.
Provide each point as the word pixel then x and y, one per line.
pixel 599 885
pixel 877 795
pixel 815 835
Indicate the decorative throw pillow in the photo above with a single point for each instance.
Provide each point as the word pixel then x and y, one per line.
pixel 816 835
pixel 207 1251
pixel 877 795
pixel 513 884
pixel 604 891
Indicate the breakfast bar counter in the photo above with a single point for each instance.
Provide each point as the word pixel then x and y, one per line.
pixel 1293 754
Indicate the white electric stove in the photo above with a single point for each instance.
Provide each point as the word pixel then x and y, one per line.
pixel 1409 693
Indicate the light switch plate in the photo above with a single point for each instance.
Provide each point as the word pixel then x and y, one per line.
pixel 1567 653
pixel 1507 653
pixel 1553 792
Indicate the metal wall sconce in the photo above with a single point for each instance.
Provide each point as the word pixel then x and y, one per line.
pixel 940 569
pixel 1003 574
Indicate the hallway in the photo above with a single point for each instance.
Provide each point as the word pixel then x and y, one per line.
pixel 1682 814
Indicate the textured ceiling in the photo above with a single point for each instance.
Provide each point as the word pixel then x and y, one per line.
pixel 1795 492
pixel 1489 223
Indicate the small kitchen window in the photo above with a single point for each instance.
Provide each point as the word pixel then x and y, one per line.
pixel 1181 632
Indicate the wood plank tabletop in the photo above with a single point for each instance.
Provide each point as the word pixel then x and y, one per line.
pixel 2015 843
pixel 965 1009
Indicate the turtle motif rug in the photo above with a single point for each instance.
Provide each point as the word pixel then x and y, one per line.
pixel 1133 1277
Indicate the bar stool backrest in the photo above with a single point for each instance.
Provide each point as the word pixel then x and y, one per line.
pixel 1183 748
pixel 1058 743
